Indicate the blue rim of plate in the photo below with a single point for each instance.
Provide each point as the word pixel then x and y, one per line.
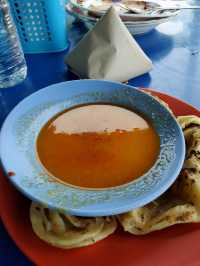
pixel 21 127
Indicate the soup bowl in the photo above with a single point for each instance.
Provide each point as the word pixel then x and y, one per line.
pixel 19 157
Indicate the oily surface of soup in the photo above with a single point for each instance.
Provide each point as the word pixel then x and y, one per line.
pixel 97 146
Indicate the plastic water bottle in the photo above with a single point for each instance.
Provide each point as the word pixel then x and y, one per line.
pixel 12 63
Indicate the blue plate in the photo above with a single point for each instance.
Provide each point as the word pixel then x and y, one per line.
pixel 20 130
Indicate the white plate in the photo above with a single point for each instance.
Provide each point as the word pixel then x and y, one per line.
pixel 134 27
pixel 99 7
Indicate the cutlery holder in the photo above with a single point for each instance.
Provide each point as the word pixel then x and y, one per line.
pixel 41 24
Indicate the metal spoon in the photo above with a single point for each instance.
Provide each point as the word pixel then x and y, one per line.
pixel 156 9
pixel 175 7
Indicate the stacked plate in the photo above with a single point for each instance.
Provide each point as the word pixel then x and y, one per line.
pixel 139 16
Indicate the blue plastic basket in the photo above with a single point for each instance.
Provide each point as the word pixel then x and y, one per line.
pixel 41 24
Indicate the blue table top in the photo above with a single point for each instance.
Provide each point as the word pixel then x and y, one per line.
pixel 174 48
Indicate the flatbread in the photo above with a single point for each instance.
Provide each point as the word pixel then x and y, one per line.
pixel 181 202
pixel 65 231
pixel 190 124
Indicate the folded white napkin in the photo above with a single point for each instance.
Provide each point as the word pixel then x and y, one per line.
pixel 109 52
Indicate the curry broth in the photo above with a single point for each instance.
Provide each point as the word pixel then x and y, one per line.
pixel 97 146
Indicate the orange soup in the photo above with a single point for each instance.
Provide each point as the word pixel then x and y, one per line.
pixel 97 146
